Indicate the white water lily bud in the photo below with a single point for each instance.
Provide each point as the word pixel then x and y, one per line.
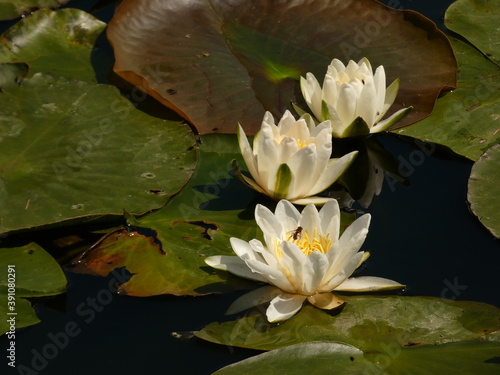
pixel 353 98
pixel 291 160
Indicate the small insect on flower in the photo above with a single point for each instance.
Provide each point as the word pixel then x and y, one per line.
pixel 296 234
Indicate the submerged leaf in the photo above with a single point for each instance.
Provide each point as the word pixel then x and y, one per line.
pixel 218 63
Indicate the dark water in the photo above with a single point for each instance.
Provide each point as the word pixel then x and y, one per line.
pixel 422 235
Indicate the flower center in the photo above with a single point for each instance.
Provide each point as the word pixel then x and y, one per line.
pixel 301 143
pixel 306 242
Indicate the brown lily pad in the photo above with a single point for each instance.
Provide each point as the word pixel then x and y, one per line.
pixel 218 62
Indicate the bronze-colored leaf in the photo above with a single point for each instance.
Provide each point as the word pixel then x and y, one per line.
pixel 218 62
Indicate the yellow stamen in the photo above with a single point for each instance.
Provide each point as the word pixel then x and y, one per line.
pixel 306 242
pixel 300 142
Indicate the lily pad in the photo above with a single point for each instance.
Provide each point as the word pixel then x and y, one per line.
pixel 370 323
pixel 14 8
pixel 477 21
pixel 484 190
pixel 165 251
pixel 77 151
pixel 319 358
pixel 466 120
pixel 56 42
pixel 471 357
pixel 221 62
pixel 27 271
pixel 460 358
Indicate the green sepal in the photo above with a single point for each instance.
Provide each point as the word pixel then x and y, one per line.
pixel 393 120
pixel 325 112
pixel 357 128
pixel 284 178
pixel 298 110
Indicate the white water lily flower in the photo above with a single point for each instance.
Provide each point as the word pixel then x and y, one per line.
pixel 303 258
pixel 291 160
pixel 352 98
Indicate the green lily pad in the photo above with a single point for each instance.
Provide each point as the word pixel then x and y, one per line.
pixel 218 63
pixel 463 358
pixel 477 21
pixel 56 42
pixel 466 120
pixel 27 271
pixel 460 358
pixel 77 151
pixel 484 190
pixel 10 9
pixel 166 250
pixel 370 323
pixel 319 358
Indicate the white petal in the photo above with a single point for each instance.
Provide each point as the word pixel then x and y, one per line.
pixel 338 127
pixel 233 264
pixel 284 307
pixel 329 216
pixel 310 219
pixel 287 215
pixel 337 275
pixel 242 248
pixel 253 298
pixel 314 274
pixel 267 157
pixel 312 93
pixel 379 81
pixel 317 129
pixel 330 91
pixel 354 236
pixel 323 153
pixel 247 153
pixel 268 223
pixel 368 284
pixel 299 130
pixel 337 65
pixel 352 67
pixel 367 102
pixel 349 244
pixel 334 170
pixel 263 254
pixel 346 105
pixel 295 263
pixel 268 119
pixel 286 123
pixel 302 165
pixel 314 200
pixel 286 149
pixel 270 274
